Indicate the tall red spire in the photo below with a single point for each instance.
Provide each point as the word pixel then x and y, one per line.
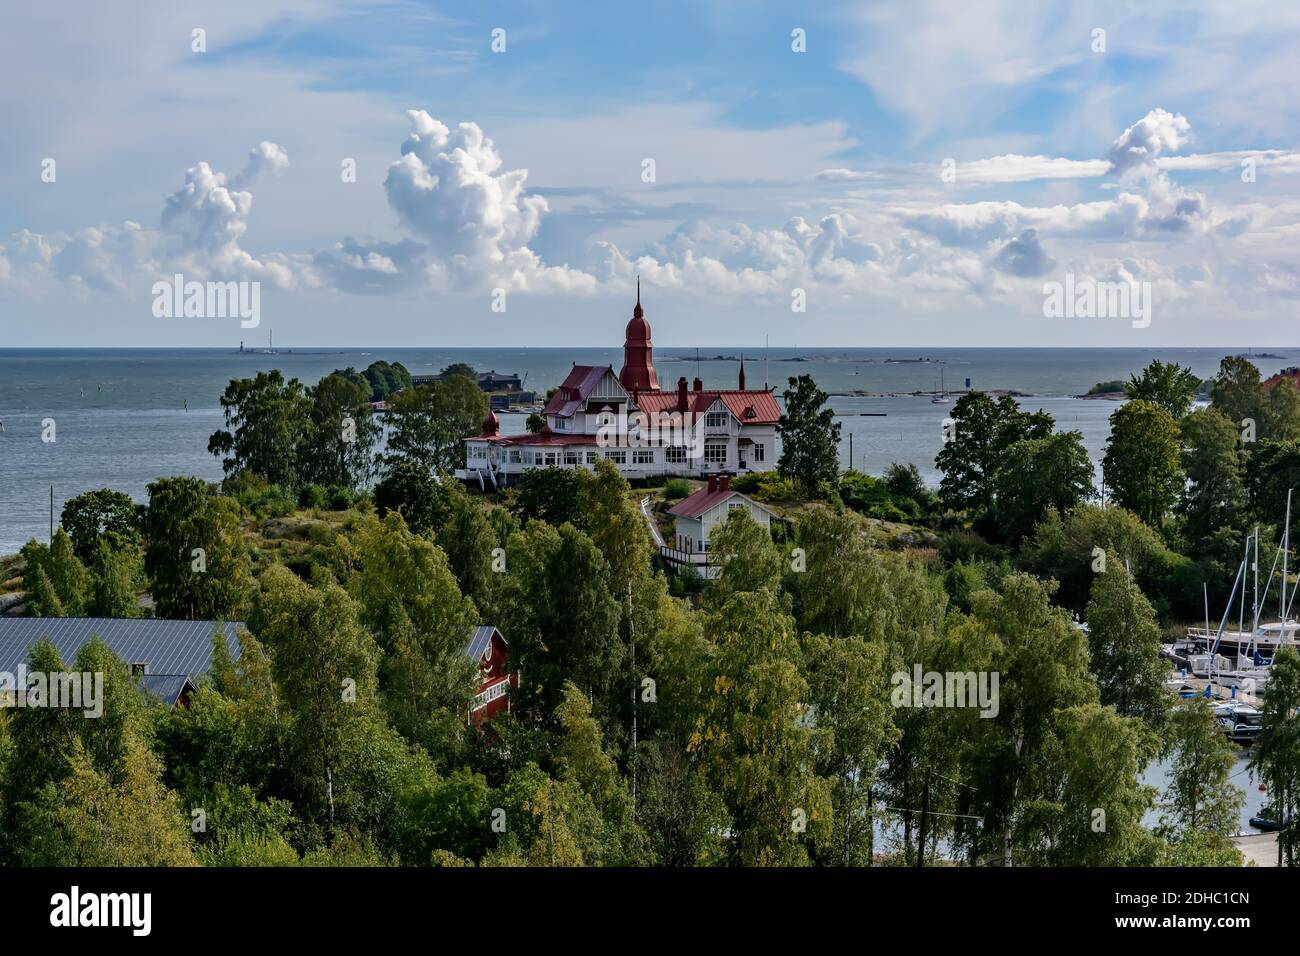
pixel 638 374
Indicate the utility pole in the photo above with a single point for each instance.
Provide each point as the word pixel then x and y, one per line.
pixel 925 819
pixel 51 516
pixel 631 629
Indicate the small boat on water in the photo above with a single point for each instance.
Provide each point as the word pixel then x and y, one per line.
pixel 942 397
pixel 1241 722
pixel 1266 819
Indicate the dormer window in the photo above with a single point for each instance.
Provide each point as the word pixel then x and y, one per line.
pixel 139 668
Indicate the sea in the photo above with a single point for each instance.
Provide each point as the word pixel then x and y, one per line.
pixel 76 419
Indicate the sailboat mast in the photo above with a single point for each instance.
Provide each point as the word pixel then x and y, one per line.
pixel 1286 547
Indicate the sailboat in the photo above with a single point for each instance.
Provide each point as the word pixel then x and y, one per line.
pixel 942 397
pixel 1240 659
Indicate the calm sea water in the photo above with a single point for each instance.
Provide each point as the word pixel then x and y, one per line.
pixel 124 417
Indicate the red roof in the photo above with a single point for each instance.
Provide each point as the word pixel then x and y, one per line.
pixel 1292 373
pixel 701 501
pixel 750 408
pixel 573 391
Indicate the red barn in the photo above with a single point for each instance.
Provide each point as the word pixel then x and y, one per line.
pixel 488 649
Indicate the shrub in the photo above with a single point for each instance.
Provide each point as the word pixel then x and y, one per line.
pixel 676 488
pixel 312 496
pixel 339 498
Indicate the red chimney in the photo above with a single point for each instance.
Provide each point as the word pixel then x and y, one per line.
pixel 724 483
pixel 699 385
pixel 682 402
pixel 713 483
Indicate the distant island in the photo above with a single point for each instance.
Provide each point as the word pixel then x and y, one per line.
pixel 1111 389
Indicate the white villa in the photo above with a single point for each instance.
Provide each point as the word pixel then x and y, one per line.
pixel 628 419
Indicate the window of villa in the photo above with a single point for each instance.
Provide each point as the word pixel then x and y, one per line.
pixel 758 453
pixel 715 420
pixel 643 456
pixel 715 453
pixel 675 454
pixel 617 457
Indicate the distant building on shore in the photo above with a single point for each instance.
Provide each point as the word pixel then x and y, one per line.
pixel 1292 374
pixel 627 419
pixel 492 381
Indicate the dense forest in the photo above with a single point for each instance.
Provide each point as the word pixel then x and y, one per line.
pixel 662 719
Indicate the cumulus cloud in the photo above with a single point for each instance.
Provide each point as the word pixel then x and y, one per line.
pixel 199 234
pixel 1024 256
pixel 1138 147
pixel 265 157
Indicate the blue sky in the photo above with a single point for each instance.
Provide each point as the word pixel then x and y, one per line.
pixel 485 177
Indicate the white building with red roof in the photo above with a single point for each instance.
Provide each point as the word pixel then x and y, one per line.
pixel 626 418
pixel 696 517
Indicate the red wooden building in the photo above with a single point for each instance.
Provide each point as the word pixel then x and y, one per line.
pixel 488 649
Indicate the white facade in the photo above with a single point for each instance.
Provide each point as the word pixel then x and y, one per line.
pixel 688 434
pixel 692 533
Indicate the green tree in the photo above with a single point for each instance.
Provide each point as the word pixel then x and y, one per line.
pixel 1091 802
pixel 850 708
pixel 430 422
pixel 1238 393
pixel 424 502
pixel 1272 469
pixel 1169 385
pixel 338 444
pixel 1063 548
pixel 116 578
pixel 982 431
pixel 810 436
pixel 1200 798
pixel 616 525
pixel 1043 668
pixel 1037 474
pixel 747 559
pixel 266 419
pixel 757 753
pixel 553 495
pixel 195 553
pixel 557 606
pixel 1215 495
pixel 1143 462
pixel 583 760
pixel 324 662
pixel 89 819
pixel 94 513
pixel 470 541
pixel 1124 641
pixel 1275 756
pixel 58 585
pixel 409 601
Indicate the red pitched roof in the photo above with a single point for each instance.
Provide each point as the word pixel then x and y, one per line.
pixel 701 501
pixel 573 391
pixel 749 407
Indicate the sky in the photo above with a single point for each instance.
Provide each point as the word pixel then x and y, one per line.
pixel 497 174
